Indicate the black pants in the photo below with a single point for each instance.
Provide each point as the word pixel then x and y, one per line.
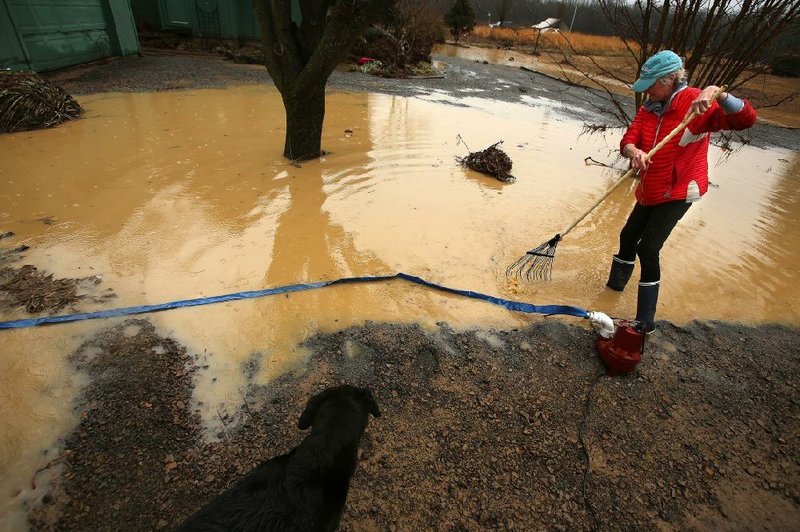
pixel 645 232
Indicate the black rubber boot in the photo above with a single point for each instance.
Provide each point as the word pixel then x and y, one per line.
pixel 620 274
pixel 646 306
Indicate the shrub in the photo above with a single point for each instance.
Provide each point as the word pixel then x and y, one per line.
pixel 405 38
pixel 460 19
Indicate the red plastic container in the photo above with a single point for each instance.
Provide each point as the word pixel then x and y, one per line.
pixel 623 351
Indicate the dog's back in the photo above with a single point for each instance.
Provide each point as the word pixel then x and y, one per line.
pixel 305 489
pixel 257 502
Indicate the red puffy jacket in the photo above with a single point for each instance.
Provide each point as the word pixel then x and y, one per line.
pixel 679 171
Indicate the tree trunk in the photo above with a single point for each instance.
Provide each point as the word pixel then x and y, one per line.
pixel 305 112
pixel 301 50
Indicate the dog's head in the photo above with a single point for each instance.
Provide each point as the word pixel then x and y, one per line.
pixel 362 396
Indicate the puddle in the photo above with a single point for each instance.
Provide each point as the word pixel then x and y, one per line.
pixel 178 195
pixel 37 387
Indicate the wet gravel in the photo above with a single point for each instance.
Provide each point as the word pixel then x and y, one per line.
pixel 480 429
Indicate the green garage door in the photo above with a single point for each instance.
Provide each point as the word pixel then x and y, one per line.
pixel 60 33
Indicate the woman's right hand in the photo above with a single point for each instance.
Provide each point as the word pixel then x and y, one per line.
pixel 639 159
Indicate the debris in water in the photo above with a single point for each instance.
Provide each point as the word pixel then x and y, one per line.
pixel 27 287
pixel 492 161
pixel 39 293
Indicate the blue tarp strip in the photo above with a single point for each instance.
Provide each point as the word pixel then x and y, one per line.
pixel 518 306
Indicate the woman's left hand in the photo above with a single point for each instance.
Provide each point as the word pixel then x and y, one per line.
pixel 703 101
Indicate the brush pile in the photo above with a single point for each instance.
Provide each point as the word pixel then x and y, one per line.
pixel 28 101
pixel 492 161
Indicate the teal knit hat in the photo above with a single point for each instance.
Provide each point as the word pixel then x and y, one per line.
pixel 660 64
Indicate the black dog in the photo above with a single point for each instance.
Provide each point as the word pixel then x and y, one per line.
pixel 306 489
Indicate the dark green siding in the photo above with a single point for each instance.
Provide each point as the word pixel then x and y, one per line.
pixel 226 19
pixel 12 53
pixel 125 37
pixel 59 33
pixel 247 27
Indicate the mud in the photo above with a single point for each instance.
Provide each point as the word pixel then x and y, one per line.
pixel 480 430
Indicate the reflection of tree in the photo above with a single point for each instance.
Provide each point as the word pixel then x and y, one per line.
pixel 308 247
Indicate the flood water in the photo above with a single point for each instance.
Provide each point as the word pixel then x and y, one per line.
pixel 178 195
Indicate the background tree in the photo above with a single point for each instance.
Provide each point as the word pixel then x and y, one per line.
pixel 303 41
pixel 460 19
pixel 405 37
pixel 722 41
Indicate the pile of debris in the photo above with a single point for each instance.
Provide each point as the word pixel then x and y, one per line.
pixel 35 291
pixel 28 101
pixel 492 161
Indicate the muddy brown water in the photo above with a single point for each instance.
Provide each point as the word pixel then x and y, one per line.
pixel 179 195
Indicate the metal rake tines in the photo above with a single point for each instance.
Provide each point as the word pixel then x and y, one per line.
pixel 530 267
pixel 536 263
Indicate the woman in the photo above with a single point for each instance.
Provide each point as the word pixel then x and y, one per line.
pixel 676 176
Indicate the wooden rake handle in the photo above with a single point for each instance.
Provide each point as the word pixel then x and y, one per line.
pixel 691 115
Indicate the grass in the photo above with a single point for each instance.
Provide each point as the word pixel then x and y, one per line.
pixel 553 40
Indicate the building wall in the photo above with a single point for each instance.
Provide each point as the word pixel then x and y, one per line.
pixel 12 54
pixel 54 34
pixel 215 19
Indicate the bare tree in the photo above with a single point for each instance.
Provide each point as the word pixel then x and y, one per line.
pixel 722 41
pixel 303 41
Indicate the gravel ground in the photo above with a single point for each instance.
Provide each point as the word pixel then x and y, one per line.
pixel 480 429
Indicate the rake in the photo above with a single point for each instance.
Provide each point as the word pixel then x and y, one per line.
pixel 538 262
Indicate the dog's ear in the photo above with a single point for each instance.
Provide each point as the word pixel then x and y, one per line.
pixel 308 415
pixel 369 402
